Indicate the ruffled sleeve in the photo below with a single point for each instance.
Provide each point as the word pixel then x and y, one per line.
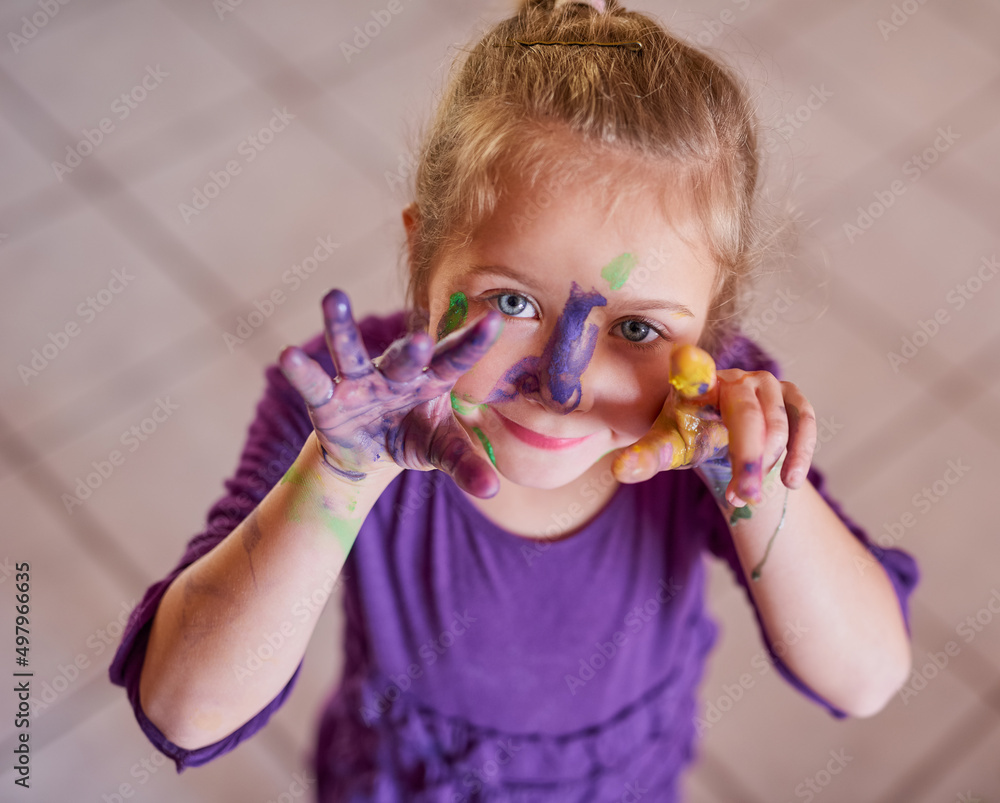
pixel 900 566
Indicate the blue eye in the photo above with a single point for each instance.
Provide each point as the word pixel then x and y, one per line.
pixel 514 305
pixel 636 331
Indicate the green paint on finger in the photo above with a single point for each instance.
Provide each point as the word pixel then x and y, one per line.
pixel 486 444
pixel 617 271
pixel 462 407
pixel 455 317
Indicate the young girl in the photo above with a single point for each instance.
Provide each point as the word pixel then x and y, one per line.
pixel 525 605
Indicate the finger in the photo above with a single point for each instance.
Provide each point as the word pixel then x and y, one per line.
pixel 407 357
pixel 692 371
pixel 459 351
pixel 306 375
pixel 743 417
pixel 769 394
pixel 454 454
pixel 657 450
pixel 801 439
pixel 343 338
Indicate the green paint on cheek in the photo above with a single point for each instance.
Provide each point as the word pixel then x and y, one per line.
pixel 617 271
pixel 486 444
pixel 455 317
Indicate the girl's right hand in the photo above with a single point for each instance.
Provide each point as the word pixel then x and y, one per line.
pixel 396 413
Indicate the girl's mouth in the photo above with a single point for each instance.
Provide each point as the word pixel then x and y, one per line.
pixel 535 439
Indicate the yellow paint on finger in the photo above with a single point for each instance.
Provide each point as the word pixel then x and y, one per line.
pixel 692 371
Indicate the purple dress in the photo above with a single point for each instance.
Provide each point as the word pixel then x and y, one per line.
pixel 481 665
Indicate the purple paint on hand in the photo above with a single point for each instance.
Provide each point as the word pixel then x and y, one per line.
pixel 555 377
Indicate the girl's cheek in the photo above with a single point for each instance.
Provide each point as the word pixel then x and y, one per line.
pixel 476 383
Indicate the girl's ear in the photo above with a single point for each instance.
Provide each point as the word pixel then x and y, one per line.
pixel 411 222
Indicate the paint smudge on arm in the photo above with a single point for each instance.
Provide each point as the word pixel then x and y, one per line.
pixel 310 497
pixel 251 536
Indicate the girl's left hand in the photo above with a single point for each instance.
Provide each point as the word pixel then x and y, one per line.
pixel 749 416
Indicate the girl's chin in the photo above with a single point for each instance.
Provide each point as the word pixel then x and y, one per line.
pixel 541 477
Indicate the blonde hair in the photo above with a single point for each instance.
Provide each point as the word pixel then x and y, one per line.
pixel 668 111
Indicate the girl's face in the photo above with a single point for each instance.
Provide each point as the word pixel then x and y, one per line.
pixel 593 304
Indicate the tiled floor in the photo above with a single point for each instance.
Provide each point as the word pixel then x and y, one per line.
pixel 888 95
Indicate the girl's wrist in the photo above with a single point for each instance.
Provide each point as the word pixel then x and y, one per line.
pixel 718 475
pixel 344 489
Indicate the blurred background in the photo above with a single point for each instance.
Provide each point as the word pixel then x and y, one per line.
pixel 167 167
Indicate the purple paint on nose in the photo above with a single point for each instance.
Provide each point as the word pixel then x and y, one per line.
pixel 555 377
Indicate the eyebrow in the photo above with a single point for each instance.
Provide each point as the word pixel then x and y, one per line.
pixel 637 304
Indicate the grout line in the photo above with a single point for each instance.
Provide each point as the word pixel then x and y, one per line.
pixel 355 141
pixel 856 466
pixel 986 666
pixel 127 388
pixel 9 24
pixel 193 276
pixel 722 781
pixel 978 725
pixel 43 483
pixel 74 709
pixel 171 364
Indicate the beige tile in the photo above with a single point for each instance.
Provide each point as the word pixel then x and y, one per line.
pixel 977 161
pixel 112 50
pixel 25 171
pixel 330 44
pixel 268 215
pixel 979 19
pixel 40 22
pixel 78 605
pixel 931 500
pixel 973 778
pixel 93 761
pixel 66 301
pixel 170 471
pixel 907 271
pixel 773 739
pixel 826 356
pixel 896 74
pixel 391 92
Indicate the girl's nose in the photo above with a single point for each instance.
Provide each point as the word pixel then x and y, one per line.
pixel 568 352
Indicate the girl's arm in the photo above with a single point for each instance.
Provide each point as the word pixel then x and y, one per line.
pixel 820 595
pixel 244 598
pixel 225 639
pixel 849 640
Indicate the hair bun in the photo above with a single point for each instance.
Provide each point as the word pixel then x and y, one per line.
pixel 601 6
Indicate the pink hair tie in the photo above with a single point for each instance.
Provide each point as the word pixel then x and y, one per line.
pixel 599 5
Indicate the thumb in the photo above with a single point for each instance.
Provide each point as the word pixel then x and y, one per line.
pixel 452 452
